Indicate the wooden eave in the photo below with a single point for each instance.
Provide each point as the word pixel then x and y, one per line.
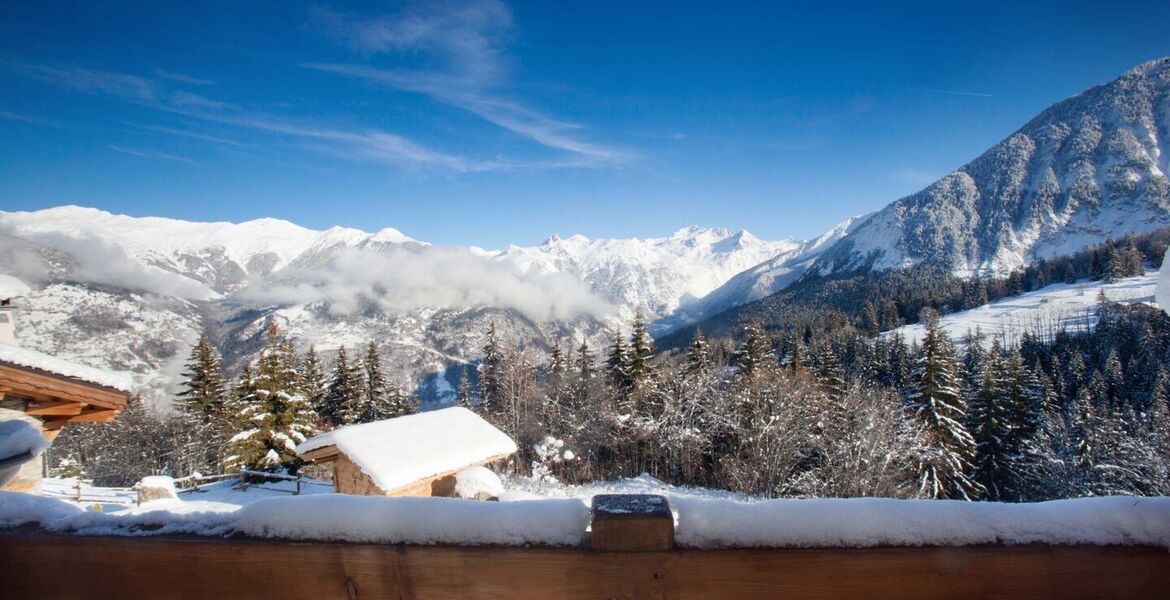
pixel 323 454
pixel 57 400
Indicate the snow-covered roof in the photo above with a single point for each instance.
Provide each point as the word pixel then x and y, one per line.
pixel 23 357
pixel 398 452
pixel 11 287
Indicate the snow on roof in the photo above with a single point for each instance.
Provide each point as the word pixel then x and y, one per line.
pixel 12 354
pixel 11 287
pixel 398 452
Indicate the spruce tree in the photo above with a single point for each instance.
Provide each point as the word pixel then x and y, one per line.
pixel 203 393
pixel 698 354
pixel 490 372
pixel 829 376
pixel 755 354
pixel 640 351
pixel 343 395
pixel 936 407
pixel 313 379
pixel 615 363
pixel 463 392
pixel 557 363
pixel 274 414
pixel 376 403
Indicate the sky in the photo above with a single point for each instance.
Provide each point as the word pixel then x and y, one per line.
pixel 488 123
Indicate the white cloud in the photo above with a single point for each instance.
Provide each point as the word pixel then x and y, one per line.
pixel 464 47
pixel 399 280
pixel 99 262
pixel 146 153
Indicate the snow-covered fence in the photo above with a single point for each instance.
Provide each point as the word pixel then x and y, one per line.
pixel 642 546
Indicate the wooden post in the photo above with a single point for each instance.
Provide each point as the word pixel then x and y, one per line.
pixel 632 523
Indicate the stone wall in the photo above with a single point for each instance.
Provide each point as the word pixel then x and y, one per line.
pixel 29 477
pixel 349 479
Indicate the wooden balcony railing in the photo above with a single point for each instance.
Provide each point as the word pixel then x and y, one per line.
pixel 630 554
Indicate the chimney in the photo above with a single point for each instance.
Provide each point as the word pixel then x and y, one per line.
pixel 10 289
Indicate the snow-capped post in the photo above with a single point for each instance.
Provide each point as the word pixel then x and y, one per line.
pixel 632 523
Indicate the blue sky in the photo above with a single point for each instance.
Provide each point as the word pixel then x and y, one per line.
pixel 489 123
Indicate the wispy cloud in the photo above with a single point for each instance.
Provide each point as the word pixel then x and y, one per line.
pixel 938 91
pixel 354 144
pixel 181 78
pixel 90 81
pixel 192 134
pixel 151 154
pixel 463 48
pixel 19 118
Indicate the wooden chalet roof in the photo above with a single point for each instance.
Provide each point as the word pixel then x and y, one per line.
pixel 60 392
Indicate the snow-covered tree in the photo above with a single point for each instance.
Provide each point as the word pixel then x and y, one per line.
pixel 936 407
pixel 463 392
pixel 343 396
pixel 202 394
pixel 490 367
pixel 274 415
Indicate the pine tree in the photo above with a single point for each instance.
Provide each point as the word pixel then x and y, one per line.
pixel 935 405
pixel 615 364
pixel 990 417
pixel 755 354
pixel 698 354
pixel 641 349
pixel 376 401
pixel 557 363
pixel 313 379
pixel 203 386
pixel 832 382
pixel 585 362
pixel 463 392
pixel 274 414
pixel 343 395
pixel 490 372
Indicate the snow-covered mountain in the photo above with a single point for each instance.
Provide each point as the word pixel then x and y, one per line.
pixel 134 293
pixel 1090 167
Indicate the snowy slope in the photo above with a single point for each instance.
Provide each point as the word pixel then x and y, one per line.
pixel 654 276
pixel 1087 168
pixel 1045 311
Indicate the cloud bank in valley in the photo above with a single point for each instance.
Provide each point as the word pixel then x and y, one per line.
pixel 96 261
pixel 399 280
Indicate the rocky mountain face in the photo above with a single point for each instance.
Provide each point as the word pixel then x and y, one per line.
pixel 1090 167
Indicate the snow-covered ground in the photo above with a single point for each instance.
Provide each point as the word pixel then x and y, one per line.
pixel 1070 306
pixel 229 492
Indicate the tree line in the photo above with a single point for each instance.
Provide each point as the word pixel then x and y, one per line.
pixel 252 421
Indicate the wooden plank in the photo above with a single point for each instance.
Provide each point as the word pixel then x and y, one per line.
pixel 323 454
pixel 97 415
pixel 44 408
pixel 216 568
pixel 631 523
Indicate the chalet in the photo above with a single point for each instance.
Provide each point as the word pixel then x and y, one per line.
pixel 415 455
pixel 47 391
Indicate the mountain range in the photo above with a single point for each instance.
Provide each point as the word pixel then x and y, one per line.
pixel 134 293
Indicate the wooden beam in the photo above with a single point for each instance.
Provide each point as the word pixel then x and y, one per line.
pixel 96 415
pixel 30 567
pixel 54 424
pixel 51 435
pixel 45 408
pixel 631 523
pixel 323 454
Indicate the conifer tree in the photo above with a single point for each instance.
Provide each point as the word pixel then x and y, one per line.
pixel 343 395
pixel 698 354
pixel 832 381
pixel 274 414
pixel 203 393
pixel 463 392
pixel 558 365
pixel 376 401
pixel 640 351
pixel 615 363
pixel 313 379
pixel 755 354
pixel 936 406
pixel 584 361
pixel 491 372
